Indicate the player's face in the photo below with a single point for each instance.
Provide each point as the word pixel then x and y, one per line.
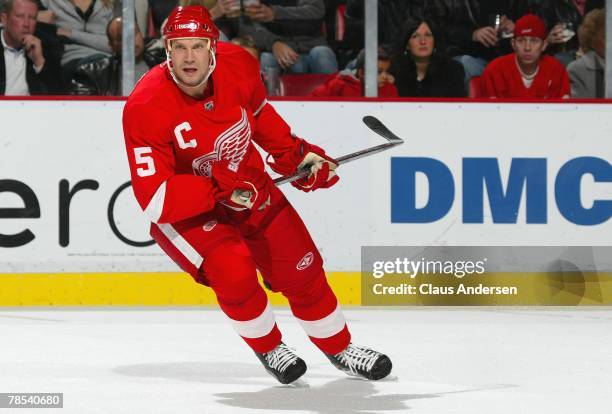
pixel 190 59
pixel 20 21
pixel 421 42
pixel 528 49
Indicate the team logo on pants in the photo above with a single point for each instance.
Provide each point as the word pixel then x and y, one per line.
pixel 306 261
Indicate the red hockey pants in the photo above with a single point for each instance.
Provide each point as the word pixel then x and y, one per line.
pixel 222 249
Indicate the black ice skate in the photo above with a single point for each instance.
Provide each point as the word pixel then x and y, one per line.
pixel 283 364
pixel 362 362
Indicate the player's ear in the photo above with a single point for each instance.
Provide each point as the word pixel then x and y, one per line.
pixel 513 43
pixel 544 45
pixel 3 19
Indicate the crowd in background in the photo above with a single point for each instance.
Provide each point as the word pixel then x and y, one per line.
pixel 530 49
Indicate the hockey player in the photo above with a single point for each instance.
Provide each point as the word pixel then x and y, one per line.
pixel 189 129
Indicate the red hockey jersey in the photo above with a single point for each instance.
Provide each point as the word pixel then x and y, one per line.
pixel 502 79
pixel 172 139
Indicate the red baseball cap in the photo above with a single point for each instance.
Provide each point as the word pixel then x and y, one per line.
pixel 530 25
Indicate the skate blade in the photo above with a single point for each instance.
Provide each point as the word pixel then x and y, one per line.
pixel 389 378
pixel 299 383
pixel 357 377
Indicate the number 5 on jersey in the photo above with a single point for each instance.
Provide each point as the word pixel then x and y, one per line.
pixel 143 158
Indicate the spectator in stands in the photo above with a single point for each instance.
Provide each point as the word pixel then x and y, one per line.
pixel 114 33
pixel 351 82
pixel 290 37
pixel 331 28
pixel 83 25
pixel 159 11
pixel 227 15
pixel 594 4
pixel 103 76
pixel 477 31
pixel 391 16
pixel 527 73
pixel 217 9
pixel 587 74
pixel 420 70
pixel 25 70
pixel 248 44
pixel 562 18
pixel 141 11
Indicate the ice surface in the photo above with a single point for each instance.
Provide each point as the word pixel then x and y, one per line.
pixel 446 360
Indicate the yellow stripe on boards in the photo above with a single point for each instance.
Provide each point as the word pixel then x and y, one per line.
pixel 179 289
pixel 144 289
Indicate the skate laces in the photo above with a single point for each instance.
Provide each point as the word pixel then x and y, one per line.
pixel 280 357
pixel 357 358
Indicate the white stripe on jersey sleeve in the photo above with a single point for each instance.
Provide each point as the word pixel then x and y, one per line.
pixel 156 205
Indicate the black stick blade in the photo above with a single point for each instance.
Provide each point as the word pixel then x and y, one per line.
pixel 375 125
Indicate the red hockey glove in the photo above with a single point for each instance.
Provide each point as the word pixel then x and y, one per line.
pixel 305 155
pixel 243 186
pixel 322 173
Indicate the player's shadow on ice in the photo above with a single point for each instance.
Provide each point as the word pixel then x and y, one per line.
pixel 342 396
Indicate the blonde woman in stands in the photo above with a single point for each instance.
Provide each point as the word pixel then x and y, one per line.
pixel 587 73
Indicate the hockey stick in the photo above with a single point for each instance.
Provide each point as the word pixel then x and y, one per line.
pixel 375 125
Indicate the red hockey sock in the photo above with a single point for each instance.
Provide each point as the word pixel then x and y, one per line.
pixel 317 309
pixel 265 343
pixel 335 343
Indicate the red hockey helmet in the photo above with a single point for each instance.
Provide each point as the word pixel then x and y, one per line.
pixel 190 22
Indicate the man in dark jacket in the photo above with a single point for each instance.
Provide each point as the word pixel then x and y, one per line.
pixel 477 31
pixel 289 34
pixel 24 67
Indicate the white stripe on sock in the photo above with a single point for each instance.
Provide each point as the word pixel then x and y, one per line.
pixel 325 327
pixel 258 327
